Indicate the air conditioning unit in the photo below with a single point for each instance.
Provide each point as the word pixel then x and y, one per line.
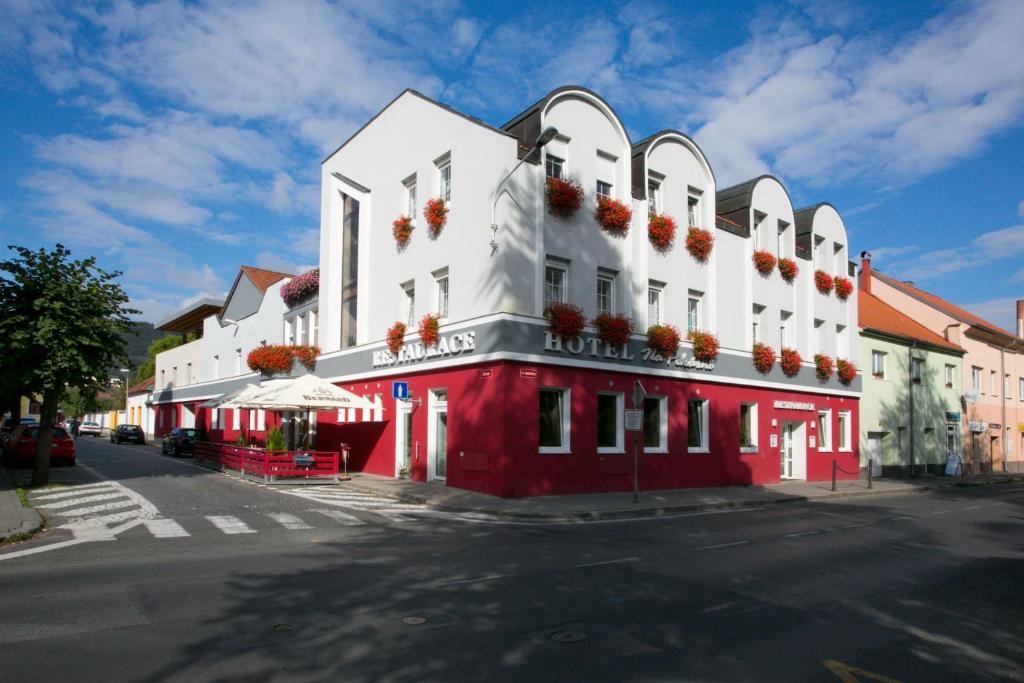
pixel 970 396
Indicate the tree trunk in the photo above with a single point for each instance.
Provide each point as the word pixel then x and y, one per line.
pixel 41 471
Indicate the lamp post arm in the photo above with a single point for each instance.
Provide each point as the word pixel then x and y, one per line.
pixel 501 183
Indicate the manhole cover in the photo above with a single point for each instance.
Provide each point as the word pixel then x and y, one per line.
pixel 280 628
pixel 568 636
pixel 414 621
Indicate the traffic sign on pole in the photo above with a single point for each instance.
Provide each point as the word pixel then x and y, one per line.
pixel 400 390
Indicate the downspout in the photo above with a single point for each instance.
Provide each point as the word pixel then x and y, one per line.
pixel 1004 426
pixel 910 400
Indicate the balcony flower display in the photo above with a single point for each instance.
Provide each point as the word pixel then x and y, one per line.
pixel 436 213
pixel 565 197
pixel 764 357
pixel 430 326
pixel 613 329
pixel 764 261
pixel 846 371
pixel 790 361
pixel 823 281
pixel 663 340
pixel 661 231
pixel 788 269
pixel 613 216
pixel 396 337
pixel 823 367
pixel 301 287
pixel 705 346
pixel 402 229
pixel 565 320
pixel 844 288
pixel 279 357
pixel 699 243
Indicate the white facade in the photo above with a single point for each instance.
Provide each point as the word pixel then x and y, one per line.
pixel 226 345
pixel 180 366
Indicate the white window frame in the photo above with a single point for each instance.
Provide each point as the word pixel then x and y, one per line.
pixel 976 379
pixel 314 327
pixel 214 418
pixel 916 369
pixel 694 313
pixel 409 198
pixel 566 446
pixel 693 209
pixel 653 196
pixel 755 231
pixel 300 329
pixel 992 381
pixel 825 431
pixel 662 446
pixel 755 328
pixel 553 265
pixel 845 433
pixel 784 318
pixel 442 292
pixel 754 427
pixel 408 302
pixel 289 332
pixel 819 346
pixel 549 161
pixel 878 368
pixel 252 419
pixel 842 349
pixel 704 446
pixel 605 277
pixel 620 432
pixel 781 240
pixel 609 194
pixel 236 419
pixel 658 290
pixel 261 420
pixel 444 178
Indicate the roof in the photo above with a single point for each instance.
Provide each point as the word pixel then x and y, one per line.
pixel 191 317
pixel 143 387
pixel 946 307
pixel 805 217
pixel 738 197
pixel 639 155
pixel 264 278
pixel 877 316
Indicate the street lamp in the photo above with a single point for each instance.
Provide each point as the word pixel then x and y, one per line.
pixel 546 136
pixel 127 374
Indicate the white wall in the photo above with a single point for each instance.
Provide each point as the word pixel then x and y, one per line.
pixel 828 224
pixel 179 357
pixel 221 342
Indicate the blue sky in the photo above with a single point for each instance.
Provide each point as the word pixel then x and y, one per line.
pixel 178 140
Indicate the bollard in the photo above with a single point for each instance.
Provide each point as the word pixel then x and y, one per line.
pixel 833 475
pixel 871 466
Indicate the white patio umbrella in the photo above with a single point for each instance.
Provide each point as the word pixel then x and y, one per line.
pixel 223 399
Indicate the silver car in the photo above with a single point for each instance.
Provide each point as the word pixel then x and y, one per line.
pixel 89 429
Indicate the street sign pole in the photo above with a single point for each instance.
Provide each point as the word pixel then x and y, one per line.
pixel 639 393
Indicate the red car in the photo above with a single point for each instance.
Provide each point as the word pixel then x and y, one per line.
pixel 21 448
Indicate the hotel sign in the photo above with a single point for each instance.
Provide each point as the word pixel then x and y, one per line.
pixel 794 405
pixel 457 344
pixel 594 347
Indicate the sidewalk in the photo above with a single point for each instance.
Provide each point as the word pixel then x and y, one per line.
pixel 652 503
pixel 15 519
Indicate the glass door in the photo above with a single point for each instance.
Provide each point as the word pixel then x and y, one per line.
pixel 437 454
pixel 787 450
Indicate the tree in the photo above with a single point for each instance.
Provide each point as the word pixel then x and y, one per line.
pixel 63 325
pixel 77 403
pixel 148 366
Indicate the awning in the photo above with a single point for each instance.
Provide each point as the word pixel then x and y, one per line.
pixel 308 392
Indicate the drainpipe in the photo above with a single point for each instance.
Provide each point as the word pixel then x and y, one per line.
pixel 1003 427
pixel 910 401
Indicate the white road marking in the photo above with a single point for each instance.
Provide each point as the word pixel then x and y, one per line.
pixel 165 528
pixel 76 491
pixel 116 505
pixel 288 521
pixel 230 525
pixel 940 512
pixel 599 564
pixel 972 507
pixel 858 526
pixel 341 517
pixel 489 577
pixel 798 534
pixel 722 545
pixel 78 501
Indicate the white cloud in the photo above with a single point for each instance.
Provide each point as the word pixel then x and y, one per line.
pixel 1001 312
pixel 978 253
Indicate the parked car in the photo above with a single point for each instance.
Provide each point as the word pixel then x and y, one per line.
pixel 72 424
pixel 179 441
pixel 89 429
pixel 132 433
pixel 21 447
pixel 8 426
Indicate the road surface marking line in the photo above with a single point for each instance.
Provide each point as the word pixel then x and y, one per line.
pixel 288 521
pixel 93 471
pixel 165 528
pixel 393 516
pixel 857 526
pixel 42 549
pixel 599 564
pixel 98 508
pixel 722 545
pixel 940 512
pixel 81 501
pixel 972 507
pixel 798 534
pixel 230 525
pixel 76 491
pixel 489 577
pixel 900 519
pixel 341 517
pixel 107 519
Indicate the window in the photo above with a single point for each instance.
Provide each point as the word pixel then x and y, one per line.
pixel 756 325
pixel 444 179
pixel 214 418
pixel 604 189
pixel 837 258
pixel 408 303
pixel 655 301
pixel 950 369
pixel 992 382
pixel 655 424
pixel 780 246
pixel 555 276
pixel 236 419
pixel 314 327
pixel 610 435
pixel 605 293
pixel 824 430
pixel 878 364
pixel 554 166
pixel 693 311
pixel 261 420
pixel 1020 388
pixel 819 253
pixel 819 343
pixel 554 420
pixel 252 419
pixel 748 427
pixel 843 430
pixel 410 197
pixel 916 370
pixel 697 425
pixel 756 230
pixel 349 271
pixel 693 208
pixel 300 329
pixel 976 379
pixel 653 197
pixel 441 292
pixel 238 361
pixel 842 351
pixel 784 317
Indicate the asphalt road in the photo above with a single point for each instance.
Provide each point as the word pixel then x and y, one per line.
pixel 207 578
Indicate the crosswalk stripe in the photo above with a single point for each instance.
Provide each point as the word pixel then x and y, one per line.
pixel 76 491
pixel 99 508
pixel 393 516
pixel 165 528
pixel 341 517
pixel 79 501
pixel 109 519
pixel 230 525
pixel 288 521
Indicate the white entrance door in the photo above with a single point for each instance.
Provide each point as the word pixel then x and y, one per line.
pixel 787 450
pixel 437 450
pixel 874 454
pixel 403 437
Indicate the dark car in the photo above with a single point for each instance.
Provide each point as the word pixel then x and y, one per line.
pixel 131 433
pixel 21 447
pixel 72 424
pixel 179 441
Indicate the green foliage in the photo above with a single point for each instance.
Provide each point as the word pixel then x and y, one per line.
pixel 77 403
pixel 275 439
pixel 147 368
pixel 241 439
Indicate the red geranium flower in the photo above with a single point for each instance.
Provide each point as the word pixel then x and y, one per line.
pixel 430 324
pixel 661 231
pixel 846 371
pixel 565 320
pixel 396 337
pixel 663 340
pixel 436 213
pixel 844 288
pixel 822 367
pixel 278 357
pixel 764 261
pixel 790 361
pixel 565 197
pixel 699 243
pixel 613 329
pixel 788 269
pixel 764 358
pixel 705 346
pixel 823 281
pixel 613 215
pixel 402 230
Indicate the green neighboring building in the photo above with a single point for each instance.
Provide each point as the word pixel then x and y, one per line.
pixel 910 407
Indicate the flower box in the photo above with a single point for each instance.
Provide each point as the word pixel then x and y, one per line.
pixel 823 367
pixel 705 346
pixel 663 340
pixel 279 358
pixel 764 262
pixel 844 288
pixel 846 371
pixel 565 320
pixel 788 269
pixel 763 357
pixel 436 213
pixel 565 197
pixel 430 326
pixel 401 229
pixel 823 282
pixel 790 361
pixel 301 287
pixel 699 242
pixel 613 216
pixel 613 329
pixel 396 337
pixel 661 231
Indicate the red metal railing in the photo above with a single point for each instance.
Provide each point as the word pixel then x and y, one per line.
pixel 269 465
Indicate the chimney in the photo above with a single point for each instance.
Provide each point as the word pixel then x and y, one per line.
pixel 865 275
pixel 1020 317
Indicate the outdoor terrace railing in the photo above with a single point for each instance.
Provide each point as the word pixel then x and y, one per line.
pixel 258 462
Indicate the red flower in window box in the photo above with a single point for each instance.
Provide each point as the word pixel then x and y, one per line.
pixel 430 325
pixel 306 355
pixel 613 329
pixel 790 361
pixel 565 320
pixel 279 357
pixel 564 197
pixel 764 261
pixel 823 367
pixel 846 371
pixel 823 281
pixel 396 337
pixel 844 288
pixel 699 243
pixel 705 346
pixel 788 269
pixel 661 231
pixel 402 230
pixel 764 358
pixel 436 213
pixel 663 340
pixel 613 215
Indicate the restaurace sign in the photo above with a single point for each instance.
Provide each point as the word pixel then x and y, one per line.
pixel 598 349
pixel 448 345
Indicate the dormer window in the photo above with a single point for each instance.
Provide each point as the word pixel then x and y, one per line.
pixel 554 166
pixel 781 250
pixel 755 232
pixel 693 208
pixel 604 189
pixel 653 197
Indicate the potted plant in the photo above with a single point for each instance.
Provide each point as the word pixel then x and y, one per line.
pixel 430 324
pixel 301 287
pixel 402 229
pixel 764 357
pixel 436 213
pixel 790 361
pixel 613 329
pixel 846 371
pixel 788 269
pixel 613 216
pixel 565 197
pixel 403 471
pixel 699 243
pixel 275 440
pixel 565 320
pixel 823 281
pixel 661 231
pixel 705 346
pixel 306 355
pixel 396 337
pixel 823 367
pixel 844 288
pixel 764 262
pixel 663 340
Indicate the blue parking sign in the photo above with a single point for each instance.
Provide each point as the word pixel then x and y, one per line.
pixel 399 390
